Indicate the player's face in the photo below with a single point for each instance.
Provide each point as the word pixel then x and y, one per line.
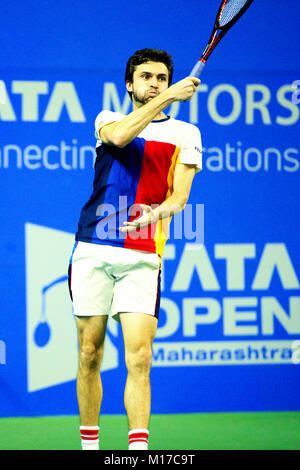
pixel 149 80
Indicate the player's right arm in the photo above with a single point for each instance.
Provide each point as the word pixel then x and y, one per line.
pixel 121 133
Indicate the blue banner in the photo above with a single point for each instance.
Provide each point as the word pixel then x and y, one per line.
pixel 228 336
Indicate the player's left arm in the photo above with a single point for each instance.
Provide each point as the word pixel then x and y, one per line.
pixel 182 183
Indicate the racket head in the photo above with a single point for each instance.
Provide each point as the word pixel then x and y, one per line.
pixel 229 12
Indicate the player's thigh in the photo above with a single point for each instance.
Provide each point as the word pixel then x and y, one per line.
pixel 91 331
pixel 139 330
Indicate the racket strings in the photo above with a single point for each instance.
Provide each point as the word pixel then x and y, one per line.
pixel 230 10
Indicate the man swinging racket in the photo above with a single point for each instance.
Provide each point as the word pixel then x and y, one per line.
pixel 145 165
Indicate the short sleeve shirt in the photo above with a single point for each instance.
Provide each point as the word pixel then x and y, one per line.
pixel 142 172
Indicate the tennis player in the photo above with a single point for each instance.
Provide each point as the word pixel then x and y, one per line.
pixel 145 165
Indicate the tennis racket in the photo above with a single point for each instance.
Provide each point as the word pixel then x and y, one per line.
pixel 230 12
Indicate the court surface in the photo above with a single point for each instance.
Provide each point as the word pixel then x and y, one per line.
pixel 207 431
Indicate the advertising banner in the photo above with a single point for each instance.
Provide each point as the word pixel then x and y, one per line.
pixel 228 335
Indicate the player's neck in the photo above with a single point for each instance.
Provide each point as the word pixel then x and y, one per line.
pixel 158 117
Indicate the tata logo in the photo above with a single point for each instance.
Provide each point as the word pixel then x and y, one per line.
pixel 251 105
pixel 62 96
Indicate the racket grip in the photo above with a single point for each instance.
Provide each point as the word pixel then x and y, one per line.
pixel 197 70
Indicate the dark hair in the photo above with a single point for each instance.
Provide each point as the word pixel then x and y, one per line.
pixel 148 55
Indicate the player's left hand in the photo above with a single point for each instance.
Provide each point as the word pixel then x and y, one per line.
pixel 147 217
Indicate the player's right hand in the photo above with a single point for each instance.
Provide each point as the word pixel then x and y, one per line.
pixel 184 89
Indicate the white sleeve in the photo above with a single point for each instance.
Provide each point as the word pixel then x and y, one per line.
pixel 191 148
pixel 106 117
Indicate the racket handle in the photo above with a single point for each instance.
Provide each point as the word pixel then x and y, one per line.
pixel 197 70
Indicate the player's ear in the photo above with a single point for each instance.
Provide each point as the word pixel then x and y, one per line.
pixel 129 86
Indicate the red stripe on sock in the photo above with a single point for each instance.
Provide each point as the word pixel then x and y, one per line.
pixel 89 434
pixel 138 434
pixel 138 437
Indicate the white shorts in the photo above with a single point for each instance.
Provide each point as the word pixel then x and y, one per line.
pixel 109 280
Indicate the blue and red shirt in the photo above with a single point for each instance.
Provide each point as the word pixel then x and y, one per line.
pixel 140 173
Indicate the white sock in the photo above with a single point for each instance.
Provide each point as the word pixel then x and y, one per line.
pixel 89 437
pixel 138 439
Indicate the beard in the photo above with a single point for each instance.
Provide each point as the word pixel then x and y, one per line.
pixel 141 99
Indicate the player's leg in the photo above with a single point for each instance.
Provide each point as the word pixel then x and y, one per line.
pixel 136 305
pixel 91 290
pixel 138 331
pixel 91 335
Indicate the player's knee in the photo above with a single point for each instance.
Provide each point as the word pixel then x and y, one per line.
pixel 139 360
pixel 89 356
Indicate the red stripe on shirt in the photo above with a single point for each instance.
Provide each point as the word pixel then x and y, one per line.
pixel 152 189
